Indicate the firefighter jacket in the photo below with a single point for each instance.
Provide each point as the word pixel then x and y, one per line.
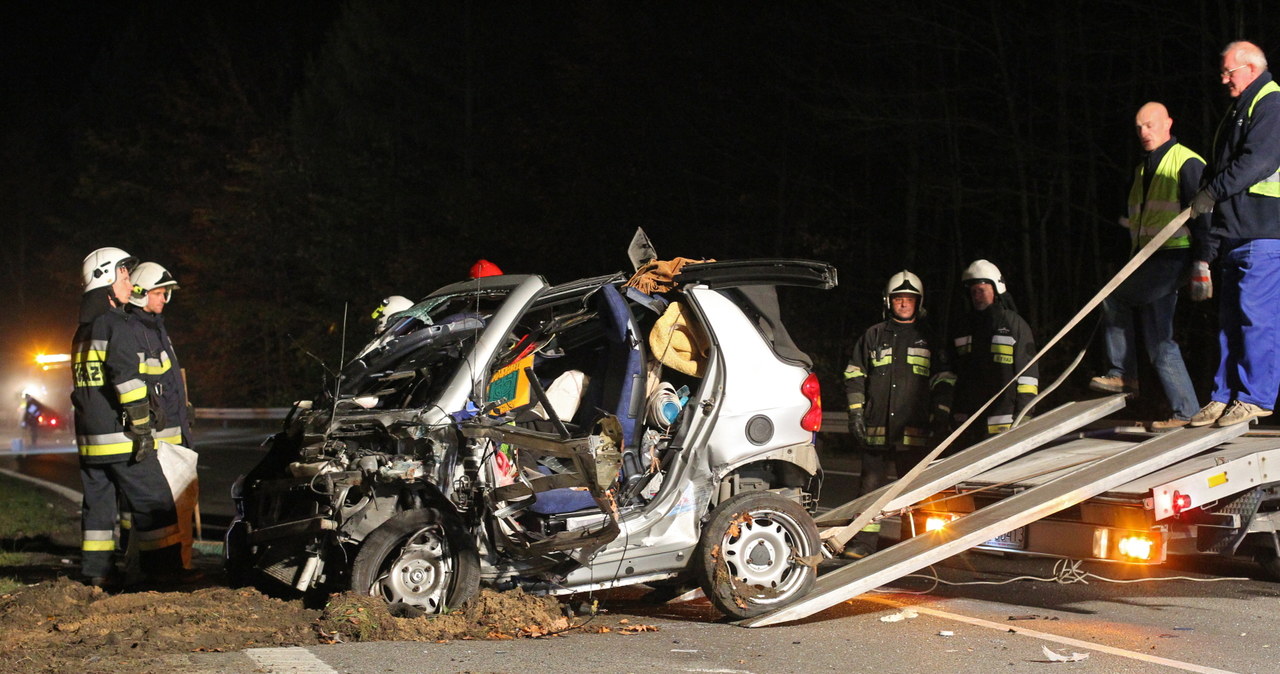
pixel 109 369
pixel 168 394
pixel 1163 185
pixel 1245 175
pixel 897 374
pixel 991 346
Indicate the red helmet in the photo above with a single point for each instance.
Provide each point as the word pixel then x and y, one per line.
pixel 484 268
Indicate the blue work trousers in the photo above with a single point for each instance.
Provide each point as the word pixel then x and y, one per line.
pixel 1152 291
pixel 1249 323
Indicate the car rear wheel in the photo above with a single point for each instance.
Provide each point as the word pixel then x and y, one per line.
pixel 418 558
pixel 756 554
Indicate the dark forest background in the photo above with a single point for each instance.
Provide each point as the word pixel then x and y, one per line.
pixel 288 159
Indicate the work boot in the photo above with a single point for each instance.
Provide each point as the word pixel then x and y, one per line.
pixel 1240 412
pixel 1207 414
pixel 1111 384
pixel 1169 424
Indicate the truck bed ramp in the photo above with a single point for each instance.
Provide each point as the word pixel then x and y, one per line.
pixel 983 456
pixel 999 518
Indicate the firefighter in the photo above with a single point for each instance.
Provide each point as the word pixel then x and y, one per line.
pixel 992 344
pixel 153 287
pixel 899 385
pixel 114 431
pixel 391 305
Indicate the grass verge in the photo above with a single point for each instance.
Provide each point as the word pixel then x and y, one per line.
pixel 33 519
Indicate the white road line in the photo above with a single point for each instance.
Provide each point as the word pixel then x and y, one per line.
pixel 1066 641
pixel 291 659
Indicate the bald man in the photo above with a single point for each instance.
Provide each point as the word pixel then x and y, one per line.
pixel 1242 189
pixel 1164 184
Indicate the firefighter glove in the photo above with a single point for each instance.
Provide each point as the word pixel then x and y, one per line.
pixel 1201 283
pixel 1202 203
pixel 858 426
pixel 144 445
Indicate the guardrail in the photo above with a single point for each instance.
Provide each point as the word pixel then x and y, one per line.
pixel 241 413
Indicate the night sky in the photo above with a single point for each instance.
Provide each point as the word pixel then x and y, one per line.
pixel 287 159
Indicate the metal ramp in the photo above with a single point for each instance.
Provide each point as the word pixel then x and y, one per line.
pixel 985 455
pixel 999 518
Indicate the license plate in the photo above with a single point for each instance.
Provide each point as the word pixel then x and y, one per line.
pixel 1014 540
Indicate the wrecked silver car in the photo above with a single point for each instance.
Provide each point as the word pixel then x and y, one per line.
pixel 562 439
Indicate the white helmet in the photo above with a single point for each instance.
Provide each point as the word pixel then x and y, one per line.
pixel 391 305
pixel 99 267
pixel 147 277
pixel 904 283
pixel 981 270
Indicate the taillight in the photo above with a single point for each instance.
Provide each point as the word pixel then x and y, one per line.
pixel 1136 547
pixel 1181 502
pixel 812 420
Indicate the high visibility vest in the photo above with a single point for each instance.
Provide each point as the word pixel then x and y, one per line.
pixel 1269 186
pixel 1148 216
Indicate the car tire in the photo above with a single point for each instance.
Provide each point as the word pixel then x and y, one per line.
pixel 747 559
pixel 1270 562
pixel 419 558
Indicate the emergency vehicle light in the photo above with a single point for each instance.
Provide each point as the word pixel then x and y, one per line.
pixel 812 420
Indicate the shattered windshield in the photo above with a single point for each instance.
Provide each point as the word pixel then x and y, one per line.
pixel 419 352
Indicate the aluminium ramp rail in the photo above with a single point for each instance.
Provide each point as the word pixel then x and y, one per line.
pixel 999 518
pixel 989 453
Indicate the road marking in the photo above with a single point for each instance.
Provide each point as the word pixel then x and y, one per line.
pixel 293 659
pixel 1066 641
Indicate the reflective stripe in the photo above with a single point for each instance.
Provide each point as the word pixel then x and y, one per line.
pixel 98 546
pixel 132 390
pixel 918 360
pixel 855 406
pixel 915 442
pixel 853 371
pixel 914 351
pixel 997 428
pixel 104 445
pixel 1003 339
pixel 882 358
pixel 1002 348
pixel 97 540
pixel 172 436
pixel 1028 385
pixel 1150 212
pixel 159 365
pixel 874 527
pixel 964 344
pixel 943 378
pixel 1000 419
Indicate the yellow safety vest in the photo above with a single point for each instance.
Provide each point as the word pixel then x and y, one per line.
pixel 1269 186
pixel 1148 216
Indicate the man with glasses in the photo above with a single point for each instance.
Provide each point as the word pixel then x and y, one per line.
pixel 1163 184
pixel 1242 190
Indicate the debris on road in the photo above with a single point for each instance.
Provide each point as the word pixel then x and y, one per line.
pixel 904 614
pixel 1056 657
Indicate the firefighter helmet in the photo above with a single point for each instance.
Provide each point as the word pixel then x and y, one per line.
pixel 147 277
pixel 983 271
pixel 391 305
pixel 99 267
pixel 484 268
pixel 904 283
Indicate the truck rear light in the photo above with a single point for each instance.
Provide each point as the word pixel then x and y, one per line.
pixel 935 521
pixel 1136 547
pixel 812 420
pixel 1181 502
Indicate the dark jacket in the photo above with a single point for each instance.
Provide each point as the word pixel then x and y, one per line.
pixel 991 346
pixel 168 394
pixel 1246 149
pixel 105 370
pixel 898 373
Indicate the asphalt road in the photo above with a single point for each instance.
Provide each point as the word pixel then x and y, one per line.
pixel 1170 625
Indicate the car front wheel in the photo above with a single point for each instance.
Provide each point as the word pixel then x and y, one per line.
pixel 420 559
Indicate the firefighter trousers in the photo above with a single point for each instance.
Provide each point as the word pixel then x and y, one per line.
pixel 154 517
